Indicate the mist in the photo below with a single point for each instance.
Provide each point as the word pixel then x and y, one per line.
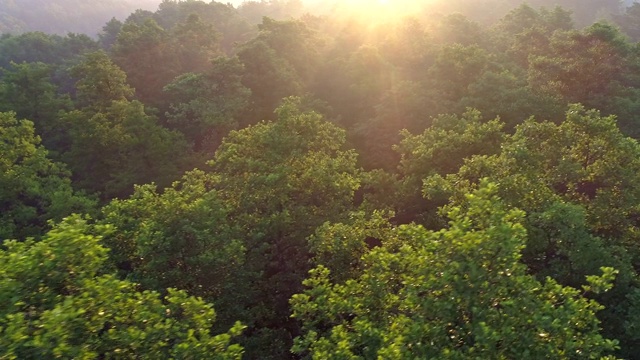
pixel 76 16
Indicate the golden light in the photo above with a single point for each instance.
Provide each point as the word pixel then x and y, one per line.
pixel 380 10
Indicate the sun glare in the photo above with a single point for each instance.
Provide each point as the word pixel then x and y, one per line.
pixel 381 10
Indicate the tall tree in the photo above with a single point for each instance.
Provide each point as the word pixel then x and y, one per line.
pixel 113 149
pixel 181 238
pixel 152 56
pixel 57 304
pixel 269 77
pixel 279 62
pixel 577 183
pixel 100 81
pixel 283 179
pixel 33 189
pixel 143 52
pixel 586 67
pixel 109 34
pixel 195 43
pixel 27 90
pixel 225 19
pixel 456 67
pixel 629 21
pixel 40 47
pixel 206 106
pixel 441 149
pixel 456 293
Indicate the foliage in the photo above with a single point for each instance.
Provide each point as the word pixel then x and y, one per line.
pixel 441 149
pixel 457 293
pixel 577 183
pixel 281 180
pixel 100 81
pixel 54 305
pixel 585 160
pixel 33 189
pixel 278 62
pixel 40 47
pixel 179 238
pixel 223 17
pixel 118 147
pixel 340 247
pixel 207 105
pixel 430 105
pixel 269 77
pixel 152 56
pixel 142 51
pixel 28 91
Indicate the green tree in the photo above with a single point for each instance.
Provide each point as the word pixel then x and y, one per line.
pixel 279 62
pixel 255 11
pixel 109 34
pixel 629 21
pixel 456 293
pixel 458 29
pixel 152 56
pixel 195 43
pixel 577 183
pixel 507 95
pixel 56 304
pixel 281 180
pixel 588 67
pixel 206 106
pixel 225 19
pixel 525 31
pixel 113 149
pixel 236 235
pixel 143 52
pixel 440 149
pixel 339 247
pixel 33 189
pixel 181 238
pixel 369 77
pixel 27 90
pixel 455 68
pixel 524 18
pixel 269 77
pixel 408 46
pixel 581 161
pixel 100 81
pixel 293 41
pixel 34 47
pixel 405 106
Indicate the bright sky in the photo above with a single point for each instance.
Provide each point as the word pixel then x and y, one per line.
pixel 383 9
pixel 370 8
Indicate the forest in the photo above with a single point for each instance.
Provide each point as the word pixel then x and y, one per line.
pixel 364 179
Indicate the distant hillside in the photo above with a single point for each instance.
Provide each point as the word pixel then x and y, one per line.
pixel 64 16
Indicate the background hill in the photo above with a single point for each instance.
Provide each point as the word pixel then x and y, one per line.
pixel 64 16
pixel 88 17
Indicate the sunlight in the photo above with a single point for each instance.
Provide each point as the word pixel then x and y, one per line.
pixel 381 10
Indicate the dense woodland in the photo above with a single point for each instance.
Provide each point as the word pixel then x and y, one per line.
pixel 368 180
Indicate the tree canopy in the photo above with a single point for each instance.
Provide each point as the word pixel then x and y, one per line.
pixel 339 179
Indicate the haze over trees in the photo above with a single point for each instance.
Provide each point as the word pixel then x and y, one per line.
pixel 64 16
pixel 351 180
